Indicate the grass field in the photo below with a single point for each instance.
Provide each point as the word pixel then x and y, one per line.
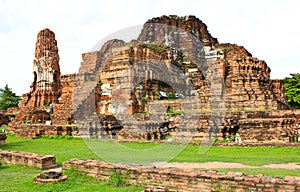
pixel 65 149
pixel 20 178
pixel 245 155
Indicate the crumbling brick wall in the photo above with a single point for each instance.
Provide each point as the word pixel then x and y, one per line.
pixel 184 180
pixel 29 159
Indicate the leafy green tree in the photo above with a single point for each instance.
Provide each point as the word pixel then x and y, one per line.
pixel 8 98
pixel 292 90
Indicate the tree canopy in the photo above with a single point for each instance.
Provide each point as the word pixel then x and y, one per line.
pixel 292 90
pixel 8 98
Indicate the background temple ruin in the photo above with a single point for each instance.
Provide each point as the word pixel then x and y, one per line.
pixel 174 69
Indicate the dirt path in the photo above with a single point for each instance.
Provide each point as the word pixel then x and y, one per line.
pixel 212 165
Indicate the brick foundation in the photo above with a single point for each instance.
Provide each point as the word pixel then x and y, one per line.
pixel 185 180
pixel 37 130
pixel 29 159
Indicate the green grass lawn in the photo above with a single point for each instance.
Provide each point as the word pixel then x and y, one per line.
pixel 245 155
pixel 65 149
pixel 62 149
pixel 20 178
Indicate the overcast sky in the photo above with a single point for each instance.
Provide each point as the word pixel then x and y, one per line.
pixel 269 29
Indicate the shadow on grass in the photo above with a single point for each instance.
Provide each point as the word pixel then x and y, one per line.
pixel 11 145
pixel 3 167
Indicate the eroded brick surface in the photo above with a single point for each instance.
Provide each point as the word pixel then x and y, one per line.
pixel 29 159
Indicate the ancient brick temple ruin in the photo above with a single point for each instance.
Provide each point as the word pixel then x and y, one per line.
pixel 38 112
pixel 175 79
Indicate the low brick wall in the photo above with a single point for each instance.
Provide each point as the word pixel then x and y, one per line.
pixel 36 130
pixel 29 159
pixel 185 180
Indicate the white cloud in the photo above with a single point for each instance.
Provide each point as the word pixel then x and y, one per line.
pixel 268 29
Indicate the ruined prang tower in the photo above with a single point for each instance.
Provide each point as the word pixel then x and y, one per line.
pixel 46 106
pixel 46 86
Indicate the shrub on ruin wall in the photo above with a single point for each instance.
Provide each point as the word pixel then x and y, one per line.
pixel 118 178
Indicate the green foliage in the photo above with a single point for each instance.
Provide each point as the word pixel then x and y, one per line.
pixel 292 90
pixel 117 178
pixel 4 128
pixel 171 112
pixel 229 138
pixel 158 49
pixel 216 187
pixel 172 96
pixel 8 98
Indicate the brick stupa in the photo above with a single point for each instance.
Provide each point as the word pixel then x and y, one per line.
pixel 46 86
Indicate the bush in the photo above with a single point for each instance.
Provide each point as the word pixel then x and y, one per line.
pixel 172 96
pixel 158 49
pixel 117 179
pixel 4 129
pixel 171 112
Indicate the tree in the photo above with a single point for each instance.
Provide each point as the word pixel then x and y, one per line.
pixel 292 90
pixel 8 98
